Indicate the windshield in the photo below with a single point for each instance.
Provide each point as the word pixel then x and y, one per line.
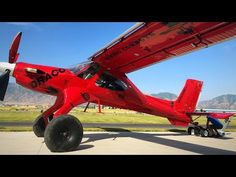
pixel 85 70
pixel 80 67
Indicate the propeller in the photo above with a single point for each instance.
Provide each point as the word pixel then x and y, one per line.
pixel 7 68
pixel 4 80
pixel 13 55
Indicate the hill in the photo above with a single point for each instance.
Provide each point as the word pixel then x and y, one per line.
pixel 227 101
pixel 165 95
pixel 18 95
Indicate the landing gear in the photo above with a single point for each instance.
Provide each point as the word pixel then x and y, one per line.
pixel 63 133
pixel 190 130
pixel 213 128
pixel 204 132
pixel 39 126
pixel 197 131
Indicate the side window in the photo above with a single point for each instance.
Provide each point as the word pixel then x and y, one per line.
pixel 90 72
pixel 110 82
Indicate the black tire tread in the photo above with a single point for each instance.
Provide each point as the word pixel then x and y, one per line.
pixel 55 141
pixel 39 126
pixel 189 130
pixel 202 132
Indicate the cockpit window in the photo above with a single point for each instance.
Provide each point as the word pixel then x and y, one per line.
pixel 79 67
pixel 90 72
pixel 110 82
pixel 85 70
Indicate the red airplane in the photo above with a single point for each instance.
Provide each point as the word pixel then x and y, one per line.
pixel 103 79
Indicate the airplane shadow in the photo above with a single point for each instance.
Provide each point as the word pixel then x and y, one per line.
pixel 159 139
pixel 83 146
pixel 80 147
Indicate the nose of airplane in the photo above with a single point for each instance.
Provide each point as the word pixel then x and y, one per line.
pixel 7 66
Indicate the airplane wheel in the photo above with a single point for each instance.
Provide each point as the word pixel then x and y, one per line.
pixel 190 130
pixel 197 131
pixel 63 133
pixel 204 132
pixel 211 133
pixel 221 133
pixel 39 126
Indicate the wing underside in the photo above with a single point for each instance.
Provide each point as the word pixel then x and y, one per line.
pixel 153 42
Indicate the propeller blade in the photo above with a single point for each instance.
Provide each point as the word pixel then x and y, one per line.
pixel 13 55
pixel 4 79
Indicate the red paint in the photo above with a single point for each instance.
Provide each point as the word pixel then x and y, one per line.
pixel 71 90
pixel 221 115
pixel 152 43
pixel 156 42
pixel 99 106
pixel 13 55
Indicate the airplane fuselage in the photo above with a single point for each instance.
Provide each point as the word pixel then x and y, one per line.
pixel 109 87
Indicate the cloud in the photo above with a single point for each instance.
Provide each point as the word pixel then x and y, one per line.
pixel 26 25
pixel 20 23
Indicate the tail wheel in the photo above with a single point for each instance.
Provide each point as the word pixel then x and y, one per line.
pixel 190 130
pixel 63 133
pixel 204 132
pixel 39 126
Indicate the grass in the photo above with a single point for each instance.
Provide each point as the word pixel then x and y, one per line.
pixel 15 129
pixel 18 116
pixel 91 116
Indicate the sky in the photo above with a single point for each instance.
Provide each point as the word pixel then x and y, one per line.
pixel 64 44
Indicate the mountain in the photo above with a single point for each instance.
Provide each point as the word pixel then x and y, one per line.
pixel 227 101
pixel 165 95
pixel 19 95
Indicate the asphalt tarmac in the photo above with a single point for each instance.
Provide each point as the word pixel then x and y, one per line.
pixel 124 143
pixel 102 125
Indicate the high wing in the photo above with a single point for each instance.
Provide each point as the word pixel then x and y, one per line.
pixel 148 43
